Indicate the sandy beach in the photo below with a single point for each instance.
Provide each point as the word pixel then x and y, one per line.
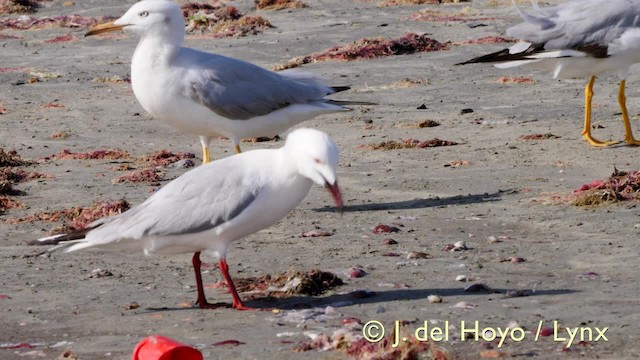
pixel 488 223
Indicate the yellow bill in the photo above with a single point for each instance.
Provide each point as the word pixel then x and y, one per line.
pixel 104 28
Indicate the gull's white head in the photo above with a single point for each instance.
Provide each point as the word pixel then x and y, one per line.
pixel 161 18
pixel 316 157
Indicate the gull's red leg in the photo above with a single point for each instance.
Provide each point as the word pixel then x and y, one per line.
pixel 202 300
pixel 237 302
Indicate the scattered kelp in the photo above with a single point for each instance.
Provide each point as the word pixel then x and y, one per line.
pixel 407 144
pixel 371 48
pixel 620 186
pixel 279 4
pixel 66 21
pixel 76 218
pixel 221 20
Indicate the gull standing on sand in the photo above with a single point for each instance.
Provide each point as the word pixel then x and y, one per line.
pixel 208 207
pixel 213 95
pixel 578 39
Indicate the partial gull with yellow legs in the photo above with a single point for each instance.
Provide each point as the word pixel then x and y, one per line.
pixel 578 39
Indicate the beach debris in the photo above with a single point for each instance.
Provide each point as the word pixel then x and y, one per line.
pixel 20 6
pixel 370 48
pixel 516 259
pixel 261 139
pixel 313 282
pixel 279 4
pixel 100 273
pixel 440 16
pixel 546 331
pixel 132 306
pixel 66 154
pixel 457 246
pixel 462 278
pixel 350 342
pixel 6 203
pixel 356 272
pixel 434 299
pixel 61 39
pixel 457 163
pixel 161 159
pixel 588 276
pixel 25 22
pixel 60 135
pixel 11 158
pixel 18 176
pixel 317 232
pixel 407 144
pixel 414 255
pixel 76 218
pixel 487 40
pixel 493 354
pixel 115 79
pixel 151 175
pixel 230 342
pixel 385 229
pixel 391 254
pixel 464 305
pixel 532 137
pixel 515 80
pixel 620 186
pixel 53 105
pixel 389 241
pixel 220 20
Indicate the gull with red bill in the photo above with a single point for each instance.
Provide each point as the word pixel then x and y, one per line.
pixel 209 94
pixel 208 207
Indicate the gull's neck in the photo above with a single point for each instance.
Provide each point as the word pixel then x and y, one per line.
pixel 157 50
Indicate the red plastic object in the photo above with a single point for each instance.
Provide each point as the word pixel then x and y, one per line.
pixel 158 347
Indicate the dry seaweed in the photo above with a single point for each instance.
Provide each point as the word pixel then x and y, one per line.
pixel 221 20
pixel 371 48
pixel 487 40
pixel 620 186
pixel 11 158
pixel 142 175
pixel 417 2
pixel 515 80
pixel 407 144
pixel 7 203
pixel 310 283
pixel 165 158
pixel 66 154
pixel 66 21
pixel 20 6
pixel 532 137
pixel 349 340
pixel 279 4
pixel 438 16
pixel 76 218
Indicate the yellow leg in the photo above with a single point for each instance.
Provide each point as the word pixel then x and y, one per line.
pixel 586 132
pixel 238 150
pixel 206 155
pixel 622 100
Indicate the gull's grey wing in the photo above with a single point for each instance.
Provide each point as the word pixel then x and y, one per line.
pixel 197 201
pixel 239 90
pixel 585 25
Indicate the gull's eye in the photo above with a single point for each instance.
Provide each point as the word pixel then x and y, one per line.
pixel 143 13
pixel 317 161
